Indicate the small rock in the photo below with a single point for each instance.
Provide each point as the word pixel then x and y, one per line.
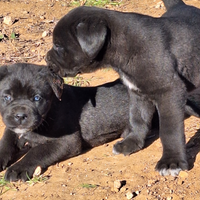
pixel 159 5
pixel 25 12
pixel 45 33
pixel 123 189
pixel 37 171
pixel 137 192
pixel 183 174
pixel 70 163
pixel 42 17
pixel 169 198
pixel 115 189
pixel 129 195
pixel 8 20
pixel 117 184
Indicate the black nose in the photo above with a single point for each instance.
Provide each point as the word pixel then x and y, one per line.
pixel 20 117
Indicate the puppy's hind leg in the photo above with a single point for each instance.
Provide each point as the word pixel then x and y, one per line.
pixel 140 117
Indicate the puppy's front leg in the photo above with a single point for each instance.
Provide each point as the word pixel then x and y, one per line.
pixel 171 106
pixel 8 148
pixel 44 155
pixel 140 116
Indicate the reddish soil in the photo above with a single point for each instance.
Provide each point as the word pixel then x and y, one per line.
pixel 98 168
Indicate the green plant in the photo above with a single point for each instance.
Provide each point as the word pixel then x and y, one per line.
pixel 87 185
pixel 107 69
pixel 1 36
pixel 99 3
pixel 13 36
pixel 36 179
pixel 4 185
pixel 77 81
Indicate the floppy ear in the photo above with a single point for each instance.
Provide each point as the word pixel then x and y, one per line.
pixel 56 83
pixel 3 71
pixel 91 37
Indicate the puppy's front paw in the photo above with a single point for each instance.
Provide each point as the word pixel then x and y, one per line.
pixel 19 172
pixel 3 164
pixel 171 166
pixel 4 160
pixel 128 146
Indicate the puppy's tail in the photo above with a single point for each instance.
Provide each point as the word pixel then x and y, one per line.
pixel 171 3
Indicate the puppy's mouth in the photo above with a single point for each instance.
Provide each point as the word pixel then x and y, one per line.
pixel 56 65
pixel 54 68
pixel 63 73
pixel 22 130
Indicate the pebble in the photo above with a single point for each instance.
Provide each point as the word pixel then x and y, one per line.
pixel 37 171
pixel 169 198
pixel 7 20
pixel 70 163
pixel 45 33
pixel 183 174
pixel 117 184
pixel 129 195
pixel 123 189
pixel 159 5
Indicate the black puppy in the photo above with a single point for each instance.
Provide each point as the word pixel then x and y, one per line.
pixel 53 130
pixel 157 59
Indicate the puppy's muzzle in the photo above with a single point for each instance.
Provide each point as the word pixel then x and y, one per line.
pixel 22 117
pixel 54 63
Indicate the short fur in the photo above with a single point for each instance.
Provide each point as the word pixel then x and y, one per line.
pixel 50 130
pixel 53 130
pixel 157 59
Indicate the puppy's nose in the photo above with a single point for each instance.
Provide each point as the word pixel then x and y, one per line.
pixel 20 117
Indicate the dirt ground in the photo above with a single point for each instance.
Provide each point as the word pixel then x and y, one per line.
pixel 91 176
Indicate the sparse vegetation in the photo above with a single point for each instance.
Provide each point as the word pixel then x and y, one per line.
pixel 77 81
pixel 99 3
pixel 13 36
pixel 36 179
pixel 87 185
pixel 4 185
pixel 1 36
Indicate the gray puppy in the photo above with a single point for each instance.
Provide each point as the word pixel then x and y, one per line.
pixel 157 59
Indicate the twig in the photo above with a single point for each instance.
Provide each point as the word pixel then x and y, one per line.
pixel 24 57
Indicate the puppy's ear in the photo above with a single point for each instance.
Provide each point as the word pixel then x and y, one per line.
pixel 3 71
pixel 91 37
pixel 56 83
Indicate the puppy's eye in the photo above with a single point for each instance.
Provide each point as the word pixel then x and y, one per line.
pixel 7 98
pixel 37 97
